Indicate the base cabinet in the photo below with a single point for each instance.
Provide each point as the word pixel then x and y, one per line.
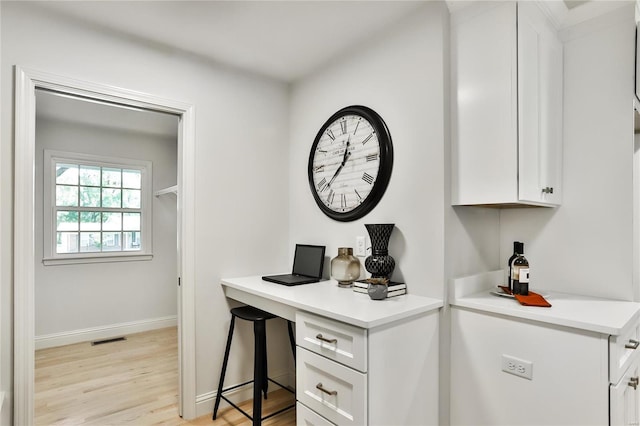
pixel 624 397
pixel 578 377
pixel 384 375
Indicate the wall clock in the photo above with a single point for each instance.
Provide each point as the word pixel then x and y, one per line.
pixel 350 163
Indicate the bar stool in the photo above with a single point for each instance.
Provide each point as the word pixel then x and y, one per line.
pixel 260 377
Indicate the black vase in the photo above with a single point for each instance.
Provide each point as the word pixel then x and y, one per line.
pixel 380 264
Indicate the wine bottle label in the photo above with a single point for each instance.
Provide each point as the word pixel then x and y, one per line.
pixel 523 275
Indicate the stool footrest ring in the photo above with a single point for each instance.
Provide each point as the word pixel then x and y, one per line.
pixel 247 414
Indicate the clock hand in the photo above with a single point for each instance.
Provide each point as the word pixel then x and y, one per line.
pixel 346 151
pixel 339 169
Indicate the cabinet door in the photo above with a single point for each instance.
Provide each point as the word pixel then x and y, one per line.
pixel 484 148
pixel 539 108
pixel 624 398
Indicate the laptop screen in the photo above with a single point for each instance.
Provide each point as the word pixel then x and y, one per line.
pixel 308 260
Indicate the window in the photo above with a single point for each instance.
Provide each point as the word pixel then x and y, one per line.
pixel 100 208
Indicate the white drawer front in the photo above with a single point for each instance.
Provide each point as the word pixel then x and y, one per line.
pixel 307 417
pixel 331 389
pixel 622 352
pixel 335 340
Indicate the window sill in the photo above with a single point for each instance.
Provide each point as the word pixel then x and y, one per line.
pixel 128 257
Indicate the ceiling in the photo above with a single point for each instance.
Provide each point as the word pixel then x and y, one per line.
pixel 285 40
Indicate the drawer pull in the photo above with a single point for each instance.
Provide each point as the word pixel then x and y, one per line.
pixel 633 344
pixel 633 382
pixel 333 392
pixel 324 339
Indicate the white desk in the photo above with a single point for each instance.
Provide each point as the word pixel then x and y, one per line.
pixel 397 367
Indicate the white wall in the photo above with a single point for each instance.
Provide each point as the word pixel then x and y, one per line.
pixel 241 134
pixel 400 75
pixel 586 245
pixel 75 297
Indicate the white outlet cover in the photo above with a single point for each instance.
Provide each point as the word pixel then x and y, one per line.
pixel 517 367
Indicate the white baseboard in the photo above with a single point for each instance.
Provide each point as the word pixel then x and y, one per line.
pixel 205 401
pixel 103 332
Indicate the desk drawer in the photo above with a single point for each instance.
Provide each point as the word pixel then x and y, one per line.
pixel 622 351
pixel 307 417
pixel 335 340
pixel 332 390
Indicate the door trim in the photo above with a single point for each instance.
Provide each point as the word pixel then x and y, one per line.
pixel 26 82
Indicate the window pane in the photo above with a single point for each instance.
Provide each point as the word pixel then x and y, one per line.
pixel 90 175
pixel 111 241
pixel 131 240
pixel 111 197
pixel 67 173
pixel 131 221
pixel 90 241
pixel 67 242
pixel 90 221
pixel 112 221
pixel 89 197
pixel 131 179
pixel 131 198
pixel 111 177
pixel 67 221
pixel 66 195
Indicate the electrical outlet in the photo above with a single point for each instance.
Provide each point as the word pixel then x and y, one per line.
pixel 518 367
pixel 361 248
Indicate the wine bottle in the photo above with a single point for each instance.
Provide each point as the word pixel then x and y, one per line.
pixel 520 274
pixel 516 250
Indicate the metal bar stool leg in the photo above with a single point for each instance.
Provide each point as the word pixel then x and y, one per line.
pixel 265 383
pixel 224 367
pixel 292 339
pixel 259 332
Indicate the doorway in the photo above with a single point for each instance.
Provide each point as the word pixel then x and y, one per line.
pixel 106 248
pixel 27 82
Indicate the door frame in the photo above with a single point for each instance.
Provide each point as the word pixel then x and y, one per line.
pixel 26 83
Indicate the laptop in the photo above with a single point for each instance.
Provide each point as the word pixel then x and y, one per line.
pixel 308 261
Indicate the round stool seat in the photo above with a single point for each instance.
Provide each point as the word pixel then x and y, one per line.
pixel 249 313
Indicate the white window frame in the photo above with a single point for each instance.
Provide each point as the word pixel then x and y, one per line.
pixel 50 256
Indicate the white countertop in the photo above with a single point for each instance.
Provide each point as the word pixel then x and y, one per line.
pixel 582 312
pixel 327 299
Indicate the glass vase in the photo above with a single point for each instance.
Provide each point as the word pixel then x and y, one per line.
pixel 345 267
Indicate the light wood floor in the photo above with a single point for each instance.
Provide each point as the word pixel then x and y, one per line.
pixel 129 382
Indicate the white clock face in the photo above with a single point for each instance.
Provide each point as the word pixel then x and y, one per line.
pixel 346 163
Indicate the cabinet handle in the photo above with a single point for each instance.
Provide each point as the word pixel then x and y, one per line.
pixel 547 190
pixel 633 382
pixel 324 339
pixel 633 344
pixel 333 392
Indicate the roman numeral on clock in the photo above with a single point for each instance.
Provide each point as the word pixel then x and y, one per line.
pixel 357 124
pixel 343 201
pixel 372 157
pixel 322 185
pixel 330 197
pixel 343 127
pixel 367 138
pixel 367 178
pixel 358 195
pixel 319 168
pixel 331 135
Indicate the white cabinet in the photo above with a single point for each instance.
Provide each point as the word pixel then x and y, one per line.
pixel 583 355
pixel 347 375
pixel 506 106
pixel 623 397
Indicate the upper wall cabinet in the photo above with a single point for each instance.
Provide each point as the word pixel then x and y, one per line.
pixel 506 106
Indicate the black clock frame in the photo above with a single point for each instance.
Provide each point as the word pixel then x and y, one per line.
pixel 384 171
